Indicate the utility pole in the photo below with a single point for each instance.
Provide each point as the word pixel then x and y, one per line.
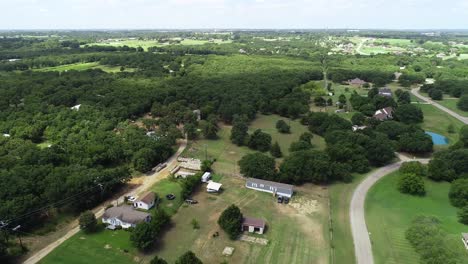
pixel 15 229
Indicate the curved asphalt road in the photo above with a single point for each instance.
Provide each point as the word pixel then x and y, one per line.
pixel 362 244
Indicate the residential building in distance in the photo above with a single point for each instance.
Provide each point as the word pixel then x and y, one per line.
pixel 146 202
pixel 276 188
pixel 385 92
pixel 384 114
pixel 124 216
pixel 253 225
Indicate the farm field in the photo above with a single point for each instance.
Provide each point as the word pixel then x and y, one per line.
pixel 227 154
pixel 83 67
pixel 389 213
pixel 297 232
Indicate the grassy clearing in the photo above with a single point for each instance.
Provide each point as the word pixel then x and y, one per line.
pixel 165 187
pixel 83 67
pixel 227 154
pixel 340 197
pixel 104 246
pixel 295 235
pixel 438 121
pixel 145 44
pixel 452 105
pixel 389 213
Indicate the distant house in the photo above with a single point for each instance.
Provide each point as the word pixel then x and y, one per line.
pixel 206 177
pixel 465 239
pixel 385 92
pixel 356 82
pixel 253 225
pixel 276 188
pixel 146 202
pixel 6 135
pixel 124 216
pixel 76 107
pixel 384 113
pixel 356 128
pixel 213 187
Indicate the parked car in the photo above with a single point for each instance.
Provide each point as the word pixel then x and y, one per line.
pixel 286 200
pixel 280 199
pixel 191 201
pixel 170 196
pixel 131 199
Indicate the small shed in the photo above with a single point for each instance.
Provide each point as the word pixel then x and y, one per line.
pixel 206 177
pixel 146 202
pixel 213 187
pixel 253 225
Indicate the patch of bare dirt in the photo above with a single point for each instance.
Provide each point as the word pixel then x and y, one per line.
pixel 107 246
pixel 304 206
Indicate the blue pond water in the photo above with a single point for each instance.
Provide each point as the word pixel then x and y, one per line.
pixel 437 139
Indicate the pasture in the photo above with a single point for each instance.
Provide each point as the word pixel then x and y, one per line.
pixel 389 213
pixel 451 103
pixel 297 232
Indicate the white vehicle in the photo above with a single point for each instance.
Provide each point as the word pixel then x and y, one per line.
pixel 131 199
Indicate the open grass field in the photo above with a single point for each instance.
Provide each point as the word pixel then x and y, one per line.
pixel 297 232
pixel 227 154
pixel 165 187
pixel 389 213
pixel 452 105
pixel 340 197
pixel 104 246
pixel 83 67
pixel 145 44
pixel 438 121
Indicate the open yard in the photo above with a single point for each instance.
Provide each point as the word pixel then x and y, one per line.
pixel 438 121
pixel 389 213
pixel 227 154
pixel 297 232
pixel 83 67
pixel 451 103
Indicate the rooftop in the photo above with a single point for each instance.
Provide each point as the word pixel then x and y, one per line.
pixel 148 197
pixel 255 222
pixel 126 214
pixel 270 183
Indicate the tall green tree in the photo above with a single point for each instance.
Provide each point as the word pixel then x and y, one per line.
pixel 231 221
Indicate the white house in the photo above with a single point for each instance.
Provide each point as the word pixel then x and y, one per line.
pixel 276 188
pixel 76 107
pixel 213 187
pixel 146 202
pixel 206 177
pixel 124 216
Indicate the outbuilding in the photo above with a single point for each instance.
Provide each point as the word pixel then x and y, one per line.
pixel 146 202
pixel 253 225
pixel 213 187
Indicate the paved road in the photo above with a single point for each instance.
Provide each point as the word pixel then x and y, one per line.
pixel 416 93
pixel 99 211
pixel 362 244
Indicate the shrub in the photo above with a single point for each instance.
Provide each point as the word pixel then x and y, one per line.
pixel 413 167
pixel 282 127
pixel 411 184
pixel 463 215
pixel 158 260
pixel 463 103
pixel 231 221
pixel 275 150
pixel 458 193
pixel 188 258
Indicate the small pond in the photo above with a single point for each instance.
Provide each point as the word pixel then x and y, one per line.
pixel 438 139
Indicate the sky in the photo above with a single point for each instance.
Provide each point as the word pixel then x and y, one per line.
pixel 249 14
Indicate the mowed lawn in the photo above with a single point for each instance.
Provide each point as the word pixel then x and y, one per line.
pixel 103 247
pixel 389 213
pixel 297 232
pixel 437 121
pixel 227 154
pixel 452 105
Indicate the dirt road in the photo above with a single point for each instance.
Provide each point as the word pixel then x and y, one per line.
pixel 99 211
pixel 416 93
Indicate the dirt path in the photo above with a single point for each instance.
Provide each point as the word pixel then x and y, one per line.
pixel 362 244
pixel 99 211
pixel 416 93
pixel 358 49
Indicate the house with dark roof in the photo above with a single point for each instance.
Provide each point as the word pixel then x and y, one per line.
pixel 124 216
pixel 385 92
pixel 253 225
pixel 384 114
pixel 146 202
pixel 356 82
pixel 276 188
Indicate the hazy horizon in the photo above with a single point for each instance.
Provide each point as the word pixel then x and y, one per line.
pixel 233 14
